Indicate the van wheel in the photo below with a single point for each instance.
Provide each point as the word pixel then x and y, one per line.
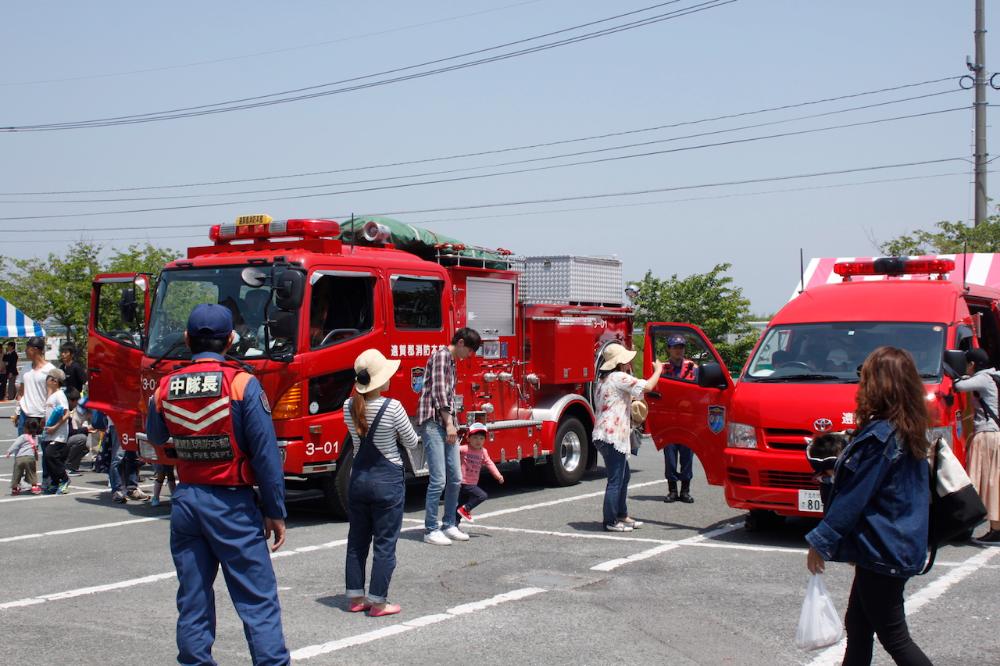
pixel 761 520
pixel 569 453
pixel 335 485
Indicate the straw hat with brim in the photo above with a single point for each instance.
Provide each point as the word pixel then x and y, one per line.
pixel 372 371
pixel 614 355
pixel 640 410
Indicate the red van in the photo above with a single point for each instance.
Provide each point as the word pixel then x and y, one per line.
pixel 749 431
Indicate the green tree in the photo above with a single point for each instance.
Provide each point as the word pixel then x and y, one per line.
pixel 947 238
pixel 59 286
pixel 709 300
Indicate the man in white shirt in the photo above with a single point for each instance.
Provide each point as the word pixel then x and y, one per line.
pixel 31 389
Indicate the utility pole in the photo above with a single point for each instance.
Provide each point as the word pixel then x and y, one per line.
pixel 978 69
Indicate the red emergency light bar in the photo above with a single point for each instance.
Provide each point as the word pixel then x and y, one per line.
pixel 894 266
pixel 257 227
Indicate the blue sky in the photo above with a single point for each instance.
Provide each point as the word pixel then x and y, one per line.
pixel 73 61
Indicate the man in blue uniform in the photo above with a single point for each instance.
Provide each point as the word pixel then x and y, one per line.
pixel 678 458
pixel 219 425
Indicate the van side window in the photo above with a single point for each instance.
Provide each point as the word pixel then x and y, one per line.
pixel 341 308
pixel 416 303
pixel 681 352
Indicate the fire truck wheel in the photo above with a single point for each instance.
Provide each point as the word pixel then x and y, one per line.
pixel 761 520
pixel 530 471
pixel 335 485
pixel 569 453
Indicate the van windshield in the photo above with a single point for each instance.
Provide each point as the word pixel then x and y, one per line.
pixel 834 352
pixel 180 290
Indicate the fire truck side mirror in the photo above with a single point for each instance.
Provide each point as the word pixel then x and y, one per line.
pixel 710 375
pixel 282 325
pixel 289 288
pixel 955 359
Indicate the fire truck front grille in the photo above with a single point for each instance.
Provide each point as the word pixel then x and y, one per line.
pixel 799 480
pixel 739 476
pixel 788 440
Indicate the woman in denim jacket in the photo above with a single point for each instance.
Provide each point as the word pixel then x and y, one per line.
pixel 879 511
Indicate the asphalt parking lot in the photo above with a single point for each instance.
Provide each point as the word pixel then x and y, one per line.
pixel 88 582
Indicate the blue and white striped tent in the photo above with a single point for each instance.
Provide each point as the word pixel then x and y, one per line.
pixel 14 323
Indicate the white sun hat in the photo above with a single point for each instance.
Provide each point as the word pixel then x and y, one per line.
pixel 372 370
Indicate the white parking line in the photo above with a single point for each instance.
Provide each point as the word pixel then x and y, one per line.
pixel 503 512
pixel 72 491
pixel 416 623
pixel 835 654
pixel 86 528
pixel 611 565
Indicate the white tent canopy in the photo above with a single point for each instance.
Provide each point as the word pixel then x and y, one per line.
pixel 14 323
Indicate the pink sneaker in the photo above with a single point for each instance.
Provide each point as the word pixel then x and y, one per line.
pixel 466 514
pixel 36 490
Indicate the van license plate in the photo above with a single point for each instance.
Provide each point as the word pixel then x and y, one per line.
pixel 810 500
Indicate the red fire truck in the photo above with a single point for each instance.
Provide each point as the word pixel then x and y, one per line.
pixel 801 378
pixel 309 295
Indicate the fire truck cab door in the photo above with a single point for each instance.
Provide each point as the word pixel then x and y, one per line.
pixel 119 313
pixel 690 405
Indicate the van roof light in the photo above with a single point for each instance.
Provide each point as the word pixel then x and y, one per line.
pixel 894 266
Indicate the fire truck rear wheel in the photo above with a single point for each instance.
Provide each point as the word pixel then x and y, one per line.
pixel 569 453
pixel 335 485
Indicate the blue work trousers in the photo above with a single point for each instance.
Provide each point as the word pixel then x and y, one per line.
pixel 678 456
pixel 218 525
pixel 375 510
pixel 616 493
pixel 445 466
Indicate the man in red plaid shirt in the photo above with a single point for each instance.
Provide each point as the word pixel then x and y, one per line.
pixel 439 433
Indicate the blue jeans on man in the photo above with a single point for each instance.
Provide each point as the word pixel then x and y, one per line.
pixel 616 493
pixel 445 467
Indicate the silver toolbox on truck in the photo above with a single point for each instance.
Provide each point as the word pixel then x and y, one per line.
pixel 568 280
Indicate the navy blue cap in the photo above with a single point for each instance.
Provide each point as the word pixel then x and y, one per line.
pixel 675 340
pixel 210 320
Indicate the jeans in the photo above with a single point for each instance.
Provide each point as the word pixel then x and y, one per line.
pixel 470 496
pixel 678 455
pixel 445 467
pixel 123 464
pixel 616 494
pixel 375 510
pixel 876 606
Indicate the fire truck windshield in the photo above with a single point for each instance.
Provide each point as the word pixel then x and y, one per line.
pixel 834 352
pixel 180 290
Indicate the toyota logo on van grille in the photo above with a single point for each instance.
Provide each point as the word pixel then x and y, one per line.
pixel 822 425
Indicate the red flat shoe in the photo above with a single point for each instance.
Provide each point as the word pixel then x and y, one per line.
pixel 358 606
pixel 388 609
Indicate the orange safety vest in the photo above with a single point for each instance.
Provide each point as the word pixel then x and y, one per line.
pixel 196 404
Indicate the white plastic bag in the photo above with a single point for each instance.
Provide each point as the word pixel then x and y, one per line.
pixel 819 623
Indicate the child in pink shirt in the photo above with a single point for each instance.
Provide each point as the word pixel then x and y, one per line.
pixel 474 456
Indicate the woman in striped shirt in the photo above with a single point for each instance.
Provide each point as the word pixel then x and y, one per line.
pixel 377 488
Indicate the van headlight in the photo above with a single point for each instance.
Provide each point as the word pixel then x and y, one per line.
pixel 742 436
pixel 933 434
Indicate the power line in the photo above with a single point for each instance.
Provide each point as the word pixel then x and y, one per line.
pixel 477 154
pixel 262 100
pixel 582 197
pixel 476 176
pixel 287 49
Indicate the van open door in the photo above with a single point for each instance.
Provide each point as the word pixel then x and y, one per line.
pixel 119 313
pixel 691 403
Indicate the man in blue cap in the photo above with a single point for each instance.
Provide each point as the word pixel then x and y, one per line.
pixel 677 457
pixel 219 424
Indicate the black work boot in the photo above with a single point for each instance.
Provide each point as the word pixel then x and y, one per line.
pixel 672 492
pixel 686 492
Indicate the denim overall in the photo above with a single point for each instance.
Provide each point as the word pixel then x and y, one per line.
pixel 375 500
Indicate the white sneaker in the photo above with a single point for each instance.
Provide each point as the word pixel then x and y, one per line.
pixel 437 538
pixel 455 534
